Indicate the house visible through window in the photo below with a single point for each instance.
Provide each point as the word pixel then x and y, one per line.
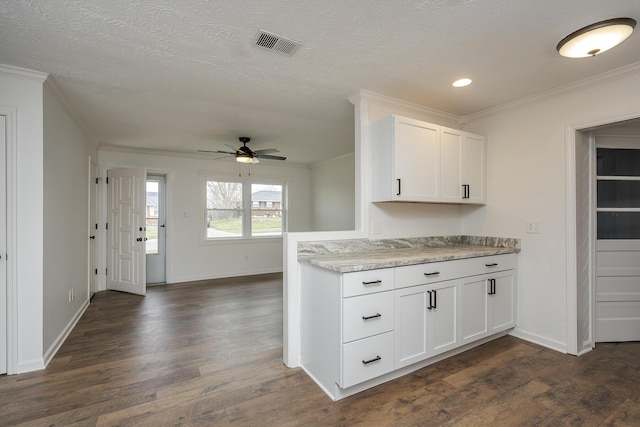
pixel 236 209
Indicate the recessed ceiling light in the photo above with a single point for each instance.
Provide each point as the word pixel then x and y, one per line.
pixel 461 83
pixel 596 38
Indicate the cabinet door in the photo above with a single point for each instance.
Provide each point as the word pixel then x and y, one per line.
pixel 473 308
pixel 451 167
pixel 502 302
pixel 473 149
pixel 442 318
pixel 463 164
pixel 411 325
pixel 416 160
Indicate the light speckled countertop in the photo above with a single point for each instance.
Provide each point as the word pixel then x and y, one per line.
pixel 359 255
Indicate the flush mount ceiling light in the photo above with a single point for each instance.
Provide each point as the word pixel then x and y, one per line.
pixel 461 83
pixel 596 38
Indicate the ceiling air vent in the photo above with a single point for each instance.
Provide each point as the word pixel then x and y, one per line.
pixel 274 42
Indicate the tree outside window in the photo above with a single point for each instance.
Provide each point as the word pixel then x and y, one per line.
pixel 224 209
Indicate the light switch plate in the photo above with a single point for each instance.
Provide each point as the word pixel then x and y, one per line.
pixel 533 227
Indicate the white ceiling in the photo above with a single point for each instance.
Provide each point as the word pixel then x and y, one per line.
pixel 185 75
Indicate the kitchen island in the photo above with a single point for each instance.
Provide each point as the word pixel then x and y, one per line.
pixel 374 310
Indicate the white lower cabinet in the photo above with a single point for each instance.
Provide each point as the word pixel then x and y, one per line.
pixel 426 321
pixel 358 328
pixel 487 305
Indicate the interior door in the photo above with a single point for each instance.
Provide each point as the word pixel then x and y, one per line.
pixel 156 229
pixel 3 250
pixel 93 228
pixel 617 307
pixel 126 230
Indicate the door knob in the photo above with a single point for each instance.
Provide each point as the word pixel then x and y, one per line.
pixel 92 237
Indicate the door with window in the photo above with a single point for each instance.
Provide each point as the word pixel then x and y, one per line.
pixel 618 243
pixel 155 223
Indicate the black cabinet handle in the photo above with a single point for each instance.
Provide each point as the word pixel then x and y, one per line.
pixel 466 191
pixel 435 273
pixel 399 186
pixel 92 237
pixel 430 301
pixel 492 286
pixel 375 316
pixel 375 359
pixel 374 282
pixel 435 299
pixel 493 264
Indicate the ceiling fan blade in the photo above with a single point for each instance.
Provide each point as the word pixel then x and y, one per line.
pixel 232 147
pixel 267 156
pixel 216 151
pixel 267 150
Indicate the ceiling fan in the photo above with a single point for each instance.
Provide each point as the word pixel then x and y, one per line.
pixel 245 154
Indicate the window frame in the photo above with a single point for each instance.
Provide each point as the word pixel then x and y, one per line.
pixel 247 206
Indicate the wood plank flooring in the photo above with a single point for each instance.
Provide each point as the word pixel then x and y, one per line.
pixel 210 354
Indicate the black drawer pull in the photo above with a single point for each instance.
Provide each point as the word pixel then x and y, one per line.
pixel 435 273
pixel 375 282
pixel 493 264
pixel 375 359
pixel 375 316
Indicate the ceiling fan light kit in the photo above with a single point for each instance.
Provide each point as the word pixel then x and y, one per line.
pixel 596 38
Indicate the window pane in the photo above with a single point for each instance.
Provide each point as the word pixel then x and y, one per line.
pixel 224 209
pixel 151 222
pixel 266 210
pixel 618 162
pixel 618 225
pixel 618 194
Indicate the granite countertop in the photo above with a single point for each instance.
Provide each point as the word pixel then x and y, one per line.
pixel 359 255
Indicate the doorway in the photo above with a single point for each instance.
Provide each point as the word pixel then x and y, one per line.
pixel 155 223
pixel 585 283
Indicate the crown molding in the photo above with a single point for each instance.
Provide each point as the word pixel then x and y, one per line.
pixel 365 95
pixel 618 73
pixel 333 159
pixel 22 73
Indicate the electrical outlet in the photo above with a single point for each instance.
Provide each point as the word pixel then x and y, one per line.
pixel 533 227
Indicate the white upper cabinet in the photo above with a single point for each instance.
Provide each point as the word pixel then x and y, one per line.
pixel 462 166
pixel 416 161
pixel 405 160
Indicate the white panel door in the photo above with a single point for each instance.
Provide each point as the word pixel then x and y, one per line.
pixel 3 250
pixel 442 329
pixel 93 228
pixel 126 230
pixel 473 165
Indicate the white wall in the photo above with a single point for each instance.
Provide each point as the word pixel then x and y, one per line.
pixel 527 180
pixel 67 150
pixel 21 91
pixel 189 257
pixel 333 194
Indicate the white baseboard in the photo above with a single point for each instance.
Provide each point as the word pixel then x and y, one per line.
pixel 539 339
pixel 223 275
pixel 64 334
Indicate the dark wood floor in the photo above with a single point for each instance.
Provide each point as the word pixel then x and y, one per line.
pixel 210 353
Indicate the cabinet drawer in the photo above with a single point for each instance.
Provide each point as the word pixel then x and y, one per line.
pixel 420 274
pixel 367 282
pixel 367 358
pixel 487 264
pixel 367 315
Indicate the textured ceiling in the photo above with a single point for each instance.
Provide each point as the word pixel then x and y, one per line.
pixel 184 75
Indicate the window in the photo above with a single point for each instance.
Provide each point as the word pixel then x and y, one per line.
pixel 618 193
pixel 243 209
